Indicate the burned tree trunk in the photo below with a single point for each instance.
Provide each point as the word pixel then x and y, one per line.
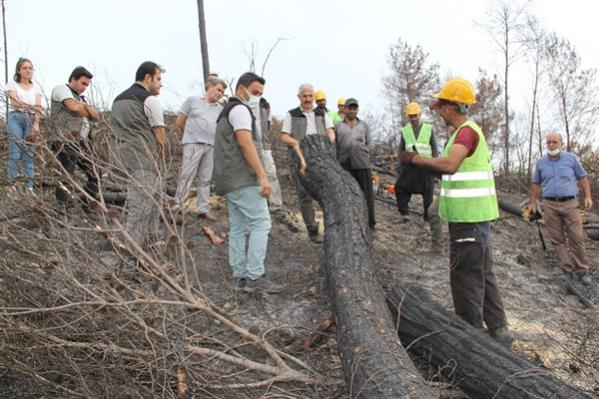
pixel 374 362
pixel 478 364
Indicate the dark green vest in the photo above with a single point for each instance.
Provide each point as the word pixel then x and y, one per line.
pixel 231 170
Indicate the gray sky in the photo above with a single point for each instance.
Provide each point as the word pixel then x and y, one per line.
pixel 338 46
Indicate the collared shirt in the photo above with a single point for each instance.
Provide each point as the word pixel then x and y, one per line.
pixel 558 177
pixel 200 122
pixel 346 134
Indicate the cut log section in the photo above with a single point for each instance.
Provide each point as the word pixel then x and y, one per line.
pixel 477 363
pixel 374 363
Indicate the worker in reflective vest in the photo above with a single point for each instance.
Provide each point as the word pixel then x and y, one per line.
pixel 468 203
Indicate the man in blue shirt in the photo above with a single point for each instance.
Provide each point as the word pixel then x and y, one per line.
pixel 556 175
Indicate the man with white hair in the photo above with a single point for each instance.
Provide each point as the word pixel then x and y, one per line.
pixel 556 175
pixel 299 123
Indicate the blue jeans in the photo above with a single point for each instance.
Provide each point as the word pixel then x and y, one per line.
pixel 248 215
pixel 18 126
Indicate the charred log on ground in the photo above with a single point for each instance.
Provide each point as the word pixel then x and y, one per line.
pixel 375 364
pixel 477 363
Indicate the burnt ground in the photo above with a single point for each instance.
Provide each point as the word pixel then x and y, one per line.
pixel 551 327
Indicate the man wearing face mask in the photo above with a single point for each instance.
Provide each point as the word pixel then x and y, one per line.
pixel 556 175
pixel 241 178
pixel 197 121
pixel 300 122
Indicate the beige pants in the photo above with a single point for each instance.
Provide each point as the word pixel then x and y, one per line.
pixel 196 166
pixel 565 231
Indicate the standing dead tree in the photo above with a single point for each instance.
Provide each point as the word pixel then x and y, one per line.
pixel 533 37
pixel 412 78
pixel 374 362
pixel 504 23
pixel 574 88
pixel 487 111
pixel 203 40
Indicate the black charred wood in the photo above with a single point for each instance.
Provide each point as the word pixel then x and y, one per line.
pixel 479 365
pixel 375 364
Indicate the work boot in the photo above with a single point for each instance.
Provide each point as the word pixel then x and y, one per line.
pixel 585 279
pixel 263 284
pixel 315 236
pixel 503 335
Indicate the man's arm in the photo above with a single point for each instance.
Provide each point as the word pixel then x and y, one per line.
pixel 180 122
pixel 331 134
pixel 433 143
pixel 81 109
pixel 448 164
pixel 160 137
pixel 586 191
pixel 250 154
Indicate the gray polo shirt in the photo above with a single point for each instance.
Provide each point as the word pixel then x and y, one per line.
pixel 346 134
pixel 200 125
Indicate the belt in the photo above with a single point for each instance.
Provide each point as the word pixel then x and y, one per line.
pixel 560 199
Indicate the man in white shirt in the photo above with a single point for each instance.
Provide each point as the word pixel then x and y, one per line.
pixel 299 123
pixel 197 121
pixel 70 131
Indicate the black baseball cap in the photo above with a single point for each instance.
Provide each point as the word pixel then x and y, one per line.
pixel 351 102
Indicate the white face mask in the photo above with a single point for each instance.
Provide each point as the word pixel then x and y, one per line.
pixel 254 101
pixel 555 152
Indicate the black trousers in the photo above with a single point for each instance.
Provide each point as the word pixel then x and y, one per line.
pixel 71 155
pixel 414 181
pixel 364 179
pixel 476 297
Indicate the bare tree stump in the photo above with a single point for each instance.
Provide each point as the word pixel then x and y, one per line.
pixel 477 363
pixel 375 364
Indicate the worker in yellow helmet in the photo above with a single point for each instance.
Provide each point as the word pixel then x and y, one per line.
pixel 338 115
pixel 320 98
pixel 468 203
pixel 414 180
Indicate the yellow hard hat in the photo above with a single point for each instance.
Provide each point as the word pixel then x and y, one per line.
pixel 457 90
pixel 341 101
pixel 413 109
pixel 320 95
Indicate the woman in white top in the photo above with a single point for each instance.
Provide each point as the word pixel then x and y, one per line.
pixel 23 120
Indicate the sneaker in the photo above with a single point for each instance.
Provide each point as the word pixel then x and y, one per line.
pixel 240 283
pixel 585 278
pixel 263 284
pixel 503 335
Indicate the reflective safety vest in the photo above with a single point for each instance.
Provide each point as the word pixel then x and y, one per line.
pixel 422 144
pixel 468 196
pixel 334 117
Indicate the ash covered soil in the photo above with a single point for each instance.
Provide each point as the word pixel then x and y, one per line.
pixel 551 327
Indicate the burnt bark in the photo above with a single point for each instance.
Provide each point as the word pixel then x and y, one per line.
pixel 374 363
pixel 479 365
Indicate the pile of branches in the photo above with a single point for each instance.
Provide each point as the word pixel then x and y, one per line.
pixel 87 312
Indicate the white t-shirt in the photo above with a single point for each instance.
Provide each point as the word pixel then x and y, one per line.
pixel 25 96
pixel 310 123
pixel 154 112
pixel 240 118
